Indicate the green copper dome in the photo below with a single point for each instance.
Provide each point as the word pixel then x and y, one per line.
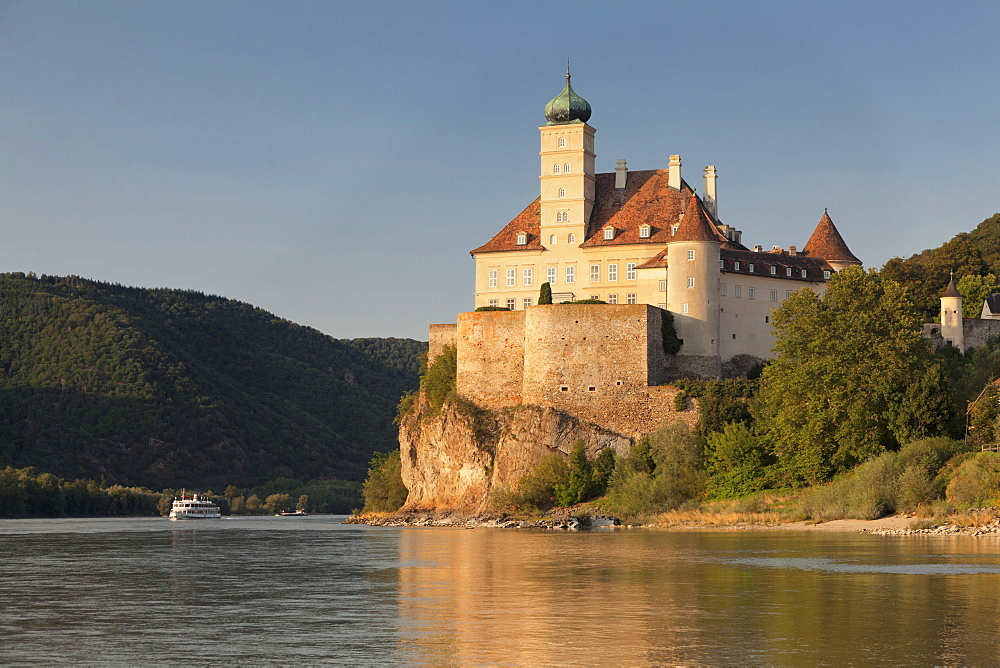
pixel 567 106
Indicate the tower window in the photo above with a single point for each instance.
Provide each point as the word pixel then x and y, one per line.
pixel 551 275
pixel 690 255
pixel 555 169
pixel 566 168
pixel 493 278
pixel 571 274
pixel 562 142
pixel 663 285
pixel 562 192
pixel 691 282
pixel 630 271
pixel 684 308
pixel 571 239
pixel 511 278
pixel 553 240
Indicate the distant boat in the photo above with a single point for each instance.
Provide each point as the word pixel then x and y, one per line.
pixel 297 513
pixel 191 507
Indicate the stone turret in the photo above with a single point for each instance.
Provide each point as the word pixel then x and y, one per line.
pixel 952 326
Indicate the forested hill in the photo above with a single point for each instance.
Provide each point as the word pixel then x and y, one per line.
pixel 972 254
pixel 171 388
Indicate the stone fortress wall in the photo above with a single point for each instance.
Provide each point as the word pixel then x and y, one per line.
pixel 603 363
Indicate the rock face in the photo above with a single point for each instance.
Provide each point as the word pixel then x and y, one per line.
pixel 451 460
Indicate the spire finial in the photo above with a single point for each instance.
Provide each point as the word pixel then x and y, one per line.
pixel 567 69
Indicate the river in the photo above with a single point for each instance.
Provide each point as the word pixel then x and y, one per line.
pixel 310 590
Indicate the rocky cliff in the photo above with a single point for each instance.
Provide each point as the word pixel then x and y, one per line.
pixel 453 458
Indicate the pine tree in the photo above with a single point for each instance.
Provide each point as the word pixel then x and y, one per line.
pixel 545 294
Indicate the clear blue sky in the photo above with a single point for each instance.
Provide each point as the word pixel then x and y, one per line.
pixel 334 162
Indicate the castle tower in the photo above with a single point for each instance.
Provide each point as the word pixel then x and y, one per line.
pixel 567 168
pixel 693 289
pixel 952 327
pixel 827 243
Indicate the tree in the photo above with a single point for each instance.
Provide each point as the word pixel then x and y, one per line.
pixel 852 377
pixel 545 294
pixel 974 290
pixel 278 503
pixel 384 488
pixel 303 504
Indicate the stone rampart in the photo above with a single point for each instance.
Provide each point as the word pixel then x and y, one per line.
pixel 978 332
pixel 491 357
pixel 438 337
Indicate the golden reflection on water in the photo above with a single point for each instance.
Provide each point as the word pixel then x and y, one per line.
pixel 648 597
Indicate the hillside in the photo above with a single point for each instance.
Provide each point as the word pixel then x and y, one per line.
pixel 968 253
pixel 170 388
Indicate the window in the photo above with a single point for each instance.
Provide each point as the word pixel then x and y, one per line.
pixel 595 273
pixel 562 216
pixel 571 274
pixel 511 278
pixel 722 289
pixel 493 278
pixel 826 273
pixel 526 302
pixel 804 273
pixel 774 270
pixel 788 293
pixel 612 272
pixel 550 275
pixel 788 271
pixel 739 291
pixel 562 192
pixel 663 285
pixel 690 281
pixel 612 299
pixel 527 276
pixel 571 239
pixel 522 239
pixel 673 230
pixel 609 233
pixel 562 142
pixel 630 271
pixel 684 308
pixel 630 298
pixel 493 302
pixel 774 295
pixel 566 168
pixel 736 266
pixel 510 304
pixel 553 240
pixel 752 293
pixel 555 169
pixel 690 255
pixel 722 264
pixel 661 306
pixel 595 296
pixel 644 232
pixel 750 268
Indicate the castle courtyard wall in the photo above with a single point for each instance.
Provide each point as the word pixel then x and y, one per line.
pixel 440 336
pixel 491 357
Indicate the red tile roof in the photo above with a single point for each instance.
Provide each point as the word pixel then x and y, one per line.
pixel 827 243
pixel 695 225
pixel 528 221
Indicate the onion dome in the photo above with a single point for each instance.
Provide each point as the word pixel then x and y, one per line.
pixel 567 106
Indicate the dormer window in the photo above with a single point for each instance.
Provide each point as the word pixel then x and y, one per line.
pixel 722 264
pixel 750 268
pixel 788 271
pixel 644 231
pixel 566 168
pixel 609 233
pixel 555 169
pixel 562 192
pixel 736 266
pixel 522 238
pixel 804 273
pixel 826 274
pixel 673 230
pixel 562 142
pixel 774 270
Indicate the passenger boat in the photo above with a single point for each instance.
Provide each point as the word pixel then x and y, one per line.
pixel 297 513
pixel 190 507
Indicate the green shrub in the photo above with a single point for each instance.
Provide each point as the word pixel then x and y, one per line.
pixel 737 461
pixel 439 380
pixel 681 401
pixel 587 301
pixel 492 308
pixel 384 490
pixel 867 493
pixel 545 294
pixel 976 481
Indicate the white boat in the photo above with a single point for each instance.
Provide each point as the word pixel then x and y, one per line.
pixel 190 507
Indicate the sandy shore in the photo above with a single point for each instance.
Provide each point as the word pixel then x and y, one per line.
pixel 881 524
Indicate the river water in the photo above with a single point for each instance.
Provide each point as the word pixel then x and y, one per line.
pixel 310 590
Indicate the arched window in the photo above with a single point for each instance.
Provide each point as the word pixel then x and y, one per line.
pixel 555 169
pixel 562 192
pixel 571 239
pixel 566 168
pixel 553 240
pixel 562 142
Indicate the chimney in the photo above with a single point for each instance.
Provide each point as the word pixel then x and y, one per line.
pixel 791 250
pixel 758 248
pixel 709 197
pixel 621 174
pixel 674 178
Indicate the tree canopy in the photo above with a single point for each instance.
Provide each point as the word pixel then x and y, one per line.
pixel 852 377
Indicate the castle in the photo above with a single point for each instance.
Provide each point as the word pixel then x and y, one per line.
pixel 645 243
pixel 964 333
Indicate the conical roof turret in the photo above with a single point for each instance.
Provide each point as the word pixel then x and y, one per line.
pixel 695 225
pixel 567 106
pixel 827 243
pixel 951 290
